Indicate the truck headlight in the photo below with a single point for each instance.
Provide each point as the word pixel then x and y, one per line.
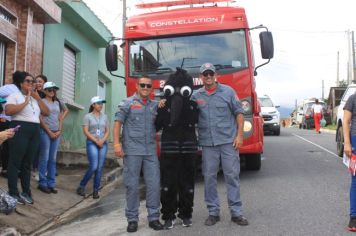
pixel 247 126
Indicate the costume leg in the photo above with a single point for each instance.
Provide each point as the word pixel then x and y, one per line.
pixel 169 185
pixel 186 185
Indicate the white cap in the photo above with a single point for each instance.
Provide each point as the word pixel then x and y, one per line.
pixel 50 85
pixel 96 99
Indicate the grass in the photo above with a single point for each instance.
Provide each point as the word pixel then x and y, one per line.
pixel 331 126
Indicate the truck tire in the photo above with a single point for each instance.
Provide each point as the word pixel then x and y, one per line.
pixel 278 132
pixel 340 141
pixel 253 161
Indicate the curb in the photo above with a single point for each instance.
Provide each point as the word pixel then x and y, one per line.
pixel 329 131
pixel 111 179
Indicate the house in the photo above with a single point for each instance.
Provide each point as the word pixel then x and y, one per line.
pixel 74 58
pixel 21 35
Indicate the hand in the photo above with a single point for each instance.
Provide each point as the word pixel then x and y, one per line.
pixel 119 152
pixel 238 141
pixel 57 133
pixel 35 95
pixel 348 149
pixel 162 103
pixel 4 135
pixel 99 143
pixel 51 135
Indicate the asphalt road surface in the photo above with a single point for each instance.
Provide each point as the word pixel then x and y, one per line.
pixel 301 189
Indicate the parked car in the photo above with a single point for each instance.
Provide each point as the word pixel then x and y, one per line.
pixel 351 89
pixel 270 115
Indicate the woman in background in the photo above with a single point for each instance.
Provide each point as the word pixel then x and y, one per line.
pixel 96 129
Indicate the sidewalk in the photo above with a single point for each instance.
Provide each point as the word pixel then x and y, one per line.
pixel 48 207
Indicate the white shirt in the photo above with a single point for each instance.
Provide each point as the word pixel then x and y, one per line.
pixel 317 108
pixel 30 113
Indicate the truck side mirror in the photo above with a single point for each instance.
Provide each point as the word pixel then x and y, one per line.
pixel 111 57
pixel 267 48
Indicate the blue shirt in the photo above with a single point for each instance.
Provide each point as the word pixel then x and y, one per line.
pixel 138 119
pixel 217 115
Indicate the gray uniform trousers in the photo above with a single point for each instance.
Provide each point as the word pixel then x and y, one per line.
pixel 212 155
pixel 151 172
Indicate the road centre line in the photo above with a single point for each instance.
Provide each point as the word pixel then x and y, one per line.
pixel 317 146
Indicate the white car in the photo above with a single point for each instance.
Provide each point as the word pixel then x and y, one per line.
pixel 270 114
pixel 351 89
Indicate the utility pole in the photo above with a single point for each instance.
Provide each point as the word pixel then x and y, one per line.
pixel 123 18
pixel 322 90
pixel 337 70
pixel 353 56
pixel 351 59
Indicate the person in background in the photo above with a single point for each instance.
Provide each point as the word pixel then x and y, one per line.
pixel 317 109
pixel 25 107
pixel 220 129
pixel 137 115
pixel 5 91
pixel 96 129
pixel 40 80
pixel 349 129
pixel 50 138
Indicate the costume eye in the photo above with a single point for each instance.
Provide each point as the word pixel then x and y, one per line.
pixel 168 90
pixel 186 91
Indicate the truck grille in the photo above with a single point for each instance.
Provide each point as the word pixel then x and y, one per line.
pixel 267 117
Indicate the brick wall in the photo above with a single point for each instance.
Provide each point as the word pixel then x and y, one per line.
pixel 24 40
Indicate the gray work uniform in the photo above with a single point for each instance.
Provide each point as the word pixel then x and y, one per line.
pixel 217 130
pixel 139 146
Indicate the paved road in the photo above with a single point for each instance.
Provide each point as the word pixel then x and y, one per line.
pixel 302 189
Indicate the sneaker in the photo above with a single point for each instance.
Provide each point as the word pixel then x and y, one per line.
pixel 96 195
pixel 27 198
pixel 240 220
pixel 53 190
pixel 155 224
pixel 18 198
pixel 132 227
pixel 44 189
pixel 81 191
pixel 186 222
pixel 352 224
pixel 212 220
pixel 169 224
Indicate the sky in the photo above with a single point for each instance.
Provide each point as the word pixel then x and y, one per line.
pixel 307 34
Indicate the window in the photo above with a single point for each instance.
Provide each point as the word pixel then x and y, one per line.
pixel 69 72
pixel 7 16
pixel 2 62
pixel 159 57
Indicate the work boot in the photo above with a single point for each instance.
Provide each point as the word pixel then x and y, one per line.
pixel 240 220
pixel 132 227
pixel 44 189
pixel 155 224
pixel 212 220
pixel 96 195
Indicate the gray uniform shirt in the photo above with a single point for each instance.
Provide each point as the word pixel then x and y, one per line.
pixel 96 125
pixel 217 115
pixel 138 119
pixel 350 106
pixel 52 120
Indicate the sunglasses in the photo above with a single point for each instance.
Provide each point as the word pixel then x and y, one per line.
pixel 142 85
pixel 30 81
pixel 50 89
pixel 206 73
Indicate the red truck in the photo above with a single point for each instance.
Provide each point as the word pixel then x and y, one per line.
pixel 156 43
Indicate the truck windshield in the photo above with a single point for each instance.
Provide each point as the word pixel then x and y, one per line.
pixel 160 57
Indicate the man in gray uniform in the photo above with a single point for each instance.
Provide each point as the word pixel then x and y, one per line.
pixel 137 116
pixel 220 129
